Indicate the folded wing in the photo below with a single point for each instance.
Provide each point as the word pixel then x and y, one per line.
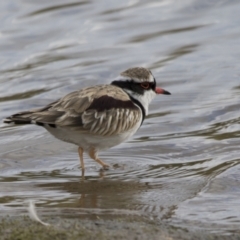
pixel 101 110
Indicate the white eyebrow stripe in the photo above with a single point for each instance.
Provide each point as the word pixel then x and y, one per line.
pixel 139 80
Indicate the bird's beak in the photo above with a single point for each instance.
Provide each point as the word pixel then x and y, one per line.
pixel 159 90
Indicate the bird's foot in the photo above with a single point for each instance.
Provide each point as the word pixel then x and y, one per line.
pixel 118 166
pixel 83 173
pixel 105 167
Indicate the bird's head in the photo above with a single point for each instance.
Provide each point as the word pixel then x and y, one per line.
pixel 140 85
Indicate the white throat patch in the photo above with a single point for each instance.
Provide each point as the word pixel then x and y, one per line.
pixel 144 99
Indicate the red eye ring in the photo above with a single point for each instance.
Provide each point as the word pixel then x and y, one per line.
pixel 145 85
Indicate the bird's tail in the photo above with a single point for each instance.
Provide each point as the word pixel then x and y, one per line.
pixel 19 118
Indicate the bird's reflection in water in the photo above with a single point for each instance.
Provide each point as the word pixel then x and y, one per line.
pixel 99 193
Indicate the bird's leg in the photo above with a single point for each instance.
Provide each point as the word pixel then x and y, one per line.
pixel 93 154
pixel 80 153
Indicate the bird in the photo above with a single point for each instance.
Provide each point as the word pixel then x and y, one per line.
pixel 97 117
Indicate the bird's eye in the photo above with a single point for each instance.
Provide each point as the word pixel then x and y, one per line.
pixel 145 85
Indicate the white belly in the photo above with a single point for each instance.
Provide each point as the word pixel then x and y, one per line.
pixel 87 141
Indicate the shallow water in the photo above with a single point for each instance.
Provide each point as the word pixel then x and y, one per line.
pixel 182 166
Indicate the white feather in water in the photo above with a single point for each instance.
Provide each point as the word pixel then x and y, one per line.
pixel 33 213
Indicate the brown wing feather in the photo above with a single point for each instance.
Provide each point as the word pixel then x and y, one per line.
pixel 79 110
pixel 110 122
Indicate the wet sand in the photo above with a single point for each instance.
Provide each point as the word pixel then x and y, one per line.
pixel 22 228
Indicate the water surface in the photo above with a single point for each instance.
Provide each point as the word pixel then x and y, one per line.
pixel 182 166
